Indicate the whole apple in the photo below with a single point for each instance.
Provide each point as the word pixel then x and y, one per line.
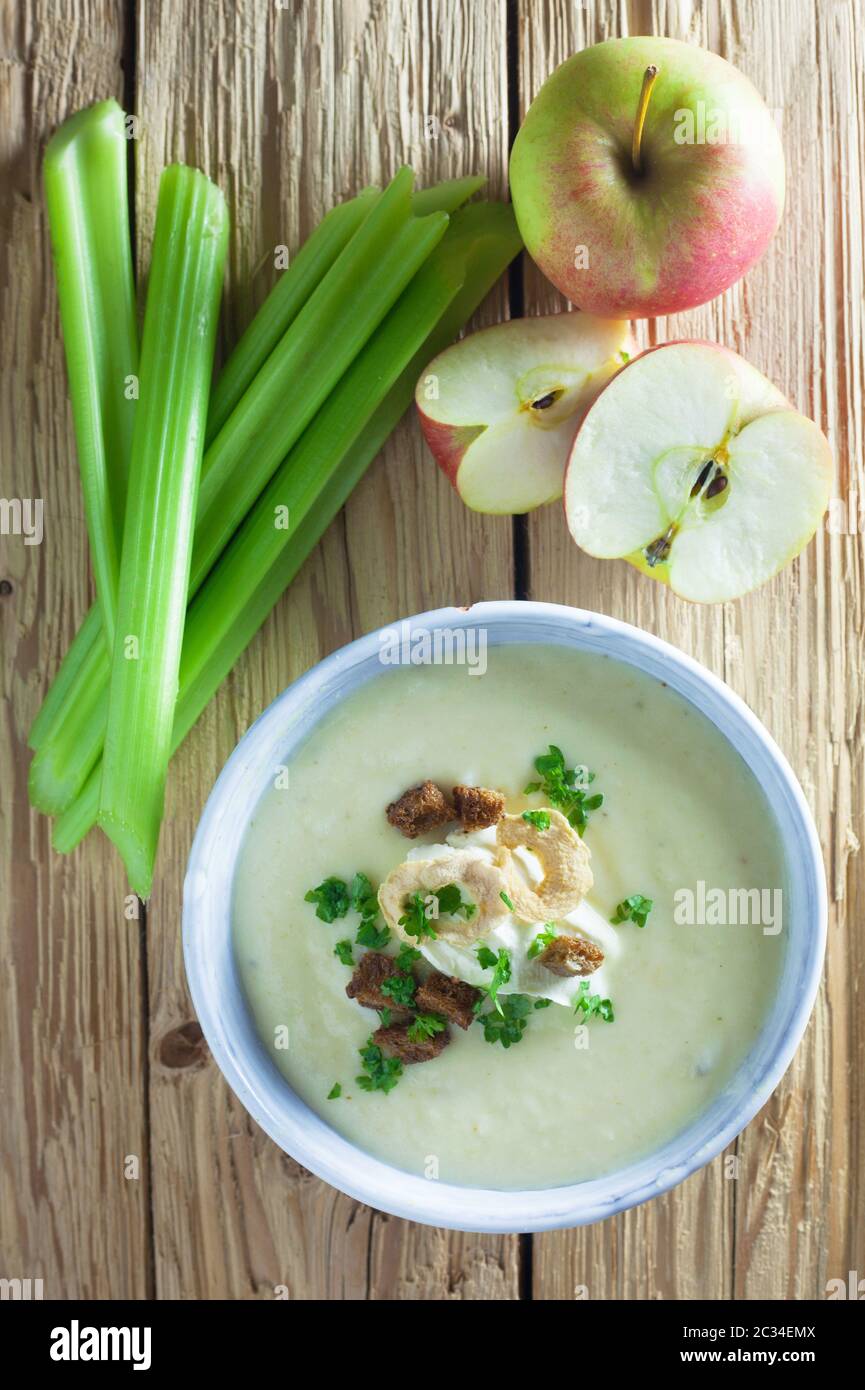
pixel 647 176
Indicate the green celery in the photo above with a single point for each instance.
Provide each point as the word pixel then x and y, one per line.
pixel 88 219
pixel 295 381
pixel 282 305
pixel 75 670
pixel 349 303
pixel 184 292
pixel 320 473
pixel 303 275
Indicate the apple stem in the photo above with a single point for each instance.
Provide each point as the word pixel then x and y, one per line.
pixel 649 77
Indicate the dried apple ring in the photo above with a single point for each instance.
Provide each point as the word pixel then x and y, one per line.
pixel 563 857
pixel 480 880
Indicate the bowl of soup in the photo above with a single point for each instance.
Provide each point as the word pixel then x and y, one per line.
pixel 505 918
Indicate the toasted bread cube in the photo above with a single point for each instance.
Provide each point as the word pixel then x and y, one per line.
pixel 571 955
pixel 453 999
pixel 420 809
pixel 477 807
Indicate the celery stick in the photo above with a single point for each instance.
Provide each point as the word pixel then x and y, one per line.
pixel 70 746
pixel 319 474
pixel 304 273
pixel 184 291
pixel 75 666
pixel 286 299
pixel 331 328
pixel 88 218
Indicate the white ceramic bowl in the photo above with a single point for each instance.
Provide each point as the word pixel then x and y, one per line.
pixel 244 1061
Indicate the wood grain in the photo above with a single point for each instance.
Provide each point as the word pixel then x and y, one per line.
pixel 291 108
pixel 291 105
pixel 73 1099
pixel 792 1217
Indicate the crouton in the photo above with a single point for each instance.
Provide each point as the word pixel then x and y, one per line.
pixel 394 1041
pixel 454 1000
pixel 420 809
pixel 571 955
pixel 365 985
pixel 477 807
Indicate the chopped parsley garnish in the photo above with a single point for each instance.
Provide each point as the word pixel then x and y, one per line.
pixel 406 958
pixel 382 1073
pixel 331 899
pixel 451 904
pixel 342 950
pixel 506 900
pixel 592 1005
pixel 335 1091
pixel 543 1003
pixel 539 819
pixel 414 919
pixel 565 787
pixel 501 967
pixel 368 934
pixel 634 909
pixel 400 988
pixel 541 941
pixel 363 898
pixel 508 1024
pixel 386 1017
pixel 425 1026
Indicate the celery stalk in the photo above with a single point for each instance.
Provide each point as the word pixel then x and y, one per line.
pixel 323 468
pixel 301 278
pixel 69 727
pixel 88 219
pixel 286 299
pixel 184 292
pixel 320 343
pixel 67 685
pixel 330 330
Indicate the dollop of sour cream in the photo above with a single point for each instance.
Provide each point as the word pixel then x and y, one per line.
pixel 527 976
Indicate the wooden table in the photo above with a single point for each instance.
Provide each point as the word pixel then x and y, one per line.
pixel 128 1169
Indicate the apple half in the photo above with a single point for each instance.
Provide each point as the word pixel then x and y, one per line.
pixel 499 408
pixel 696 469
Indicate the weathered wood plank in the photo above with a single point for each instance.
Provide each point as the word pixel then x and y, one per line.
pixel 73 1095
pixel 794 651
pixel 290 108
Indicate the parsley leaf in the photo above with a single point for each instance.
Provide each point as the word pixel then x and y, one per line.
pixel 501 967
pixel 342 950
pixel 331 899
pixel 400 988
pixel 415 919
pixel 425 1026
pixel 451 903
pixel 335 1091
pixel 541 941
pixel 508 1025
pixel 368 934
pixel 406 958
pixel 634 909
pixel 565 787
pixel 506 900
pixel 382 1073
pixel 592 1005
pixel 539 819
pixel 386 1016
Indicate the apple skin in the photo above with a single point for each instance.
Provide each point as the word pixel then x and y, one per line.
pixel 448 443
pixel 674 237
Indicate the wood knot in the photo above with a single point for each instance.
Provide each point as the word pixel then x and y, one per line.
pixel 183 1047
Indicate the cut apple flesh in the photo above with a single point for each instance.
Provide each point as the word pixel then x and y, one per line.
pixel 500 408
pixel 694 467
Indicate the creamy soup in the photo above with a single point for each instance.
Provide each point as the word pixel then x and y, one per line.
pixel 625 1056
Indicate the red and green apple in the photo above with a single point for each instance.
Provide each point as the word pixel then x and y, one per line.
pixel 648 176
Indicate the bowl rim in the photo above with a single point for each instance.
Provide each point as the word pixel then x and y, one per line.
pixel 298 1130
